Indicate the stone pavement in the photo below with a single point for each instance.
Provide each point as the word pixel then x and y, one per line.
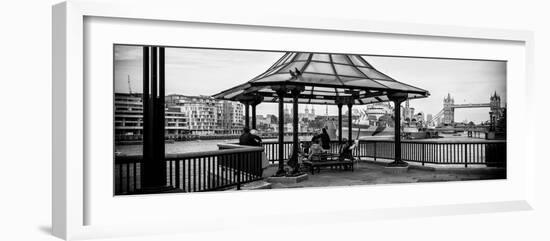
pixel 366 173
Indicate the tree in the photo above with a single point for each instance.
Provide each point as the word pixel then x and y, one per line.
pixel 316 123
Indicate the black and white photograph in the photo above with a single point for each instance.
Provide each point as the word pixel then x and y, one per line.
pixel 191 119
pixel 275 120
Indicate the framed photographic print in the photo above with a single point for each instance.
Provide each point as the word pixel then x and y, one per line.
pixel 183 115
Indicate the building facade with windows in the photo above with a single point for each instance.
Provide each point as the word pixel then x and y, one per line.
pixel 208 116
pixel 129 117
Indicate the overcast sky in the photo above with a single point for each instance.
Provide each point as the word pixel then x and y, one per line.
pixel 207 72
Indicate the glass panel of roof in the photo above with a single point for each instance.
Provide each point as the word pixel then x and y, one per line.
pixel 340 59
pixel 320 57
pixel 313 78
pixel 348 70
pixel 292 66
pixel 302 57
pixel 362 83
pixel 324 68
pixel 272 70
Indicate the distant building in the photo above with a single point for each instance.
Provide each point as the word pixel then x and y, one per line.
pixel 420 117
pixel 411 114
pixel 307 114
pixel 377 110
pixel 129 117
pixel 448 110
pixel 230 117
pixel 208 116
pixel 263 120
pixel 496 108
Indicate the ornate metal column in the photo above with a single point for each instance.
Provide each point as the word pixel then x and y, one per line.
pixel 246 115
pixel 247 101
pixel 296 145
pixel 281 94
pixel 340 123
pixel 253 115
pixel 397 99
pixel 350 115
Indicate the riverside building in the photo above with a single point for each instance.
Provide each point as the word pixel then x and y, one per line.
pixel 208 116
pixel 129 117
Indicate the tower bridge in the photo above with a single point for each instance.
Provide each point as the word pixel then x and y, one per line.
pixel 447 115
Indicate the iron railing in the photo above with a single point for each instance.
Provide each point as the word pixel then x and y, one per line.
pixel 195 172
pixel 232 166
pixel 489 153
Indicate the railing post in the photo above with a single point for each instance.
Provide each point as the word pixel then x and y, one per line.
pixel 375 151
pixel 177 173
pixel 238 165
pixel 423 153
pixel 466 155
pixel 120 177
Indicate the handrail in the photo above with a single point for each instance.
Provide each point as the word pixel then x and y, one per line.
pixel 407 141
pixel 187 155
pixel 488 152
pixel 195 171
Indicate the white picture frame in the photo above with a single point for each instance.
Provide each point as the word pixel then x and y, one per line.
pixel 72 194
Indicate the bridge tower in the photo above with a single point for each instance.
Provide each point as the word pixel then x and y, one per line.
pixel 496 109
pixel 495 103
pixel 448 110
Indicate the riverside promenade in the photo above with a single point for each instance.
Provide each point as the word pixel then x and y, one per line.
pixel 368 172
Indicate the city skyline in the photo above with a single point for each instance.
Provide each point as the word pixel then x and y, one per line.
pixel 188 72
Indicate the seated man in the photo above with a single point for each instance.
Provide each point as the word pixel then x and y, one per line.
pixel 247 138
pixel 315 149
pixel 256 138
pixel 346 149
pixel 305 148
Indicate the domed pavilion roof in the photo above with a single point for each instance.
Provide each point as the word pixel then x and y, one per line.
pixel 323 79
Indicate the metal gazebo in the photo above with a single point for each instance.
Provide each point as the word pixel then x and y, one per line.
pixel 321 78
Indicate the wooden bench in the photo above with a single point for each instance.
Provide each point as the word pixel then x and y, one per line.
pixel 327 160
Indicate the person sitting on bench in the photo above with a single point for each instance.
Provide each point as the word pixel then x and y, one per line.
pixel 315 149
pixel 346 149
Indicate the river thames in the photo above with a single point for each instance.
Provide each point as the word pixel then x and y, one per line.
pixel 212 145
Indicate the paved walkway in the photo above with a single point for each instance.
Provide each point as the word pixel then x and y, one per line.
pixel 369 173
